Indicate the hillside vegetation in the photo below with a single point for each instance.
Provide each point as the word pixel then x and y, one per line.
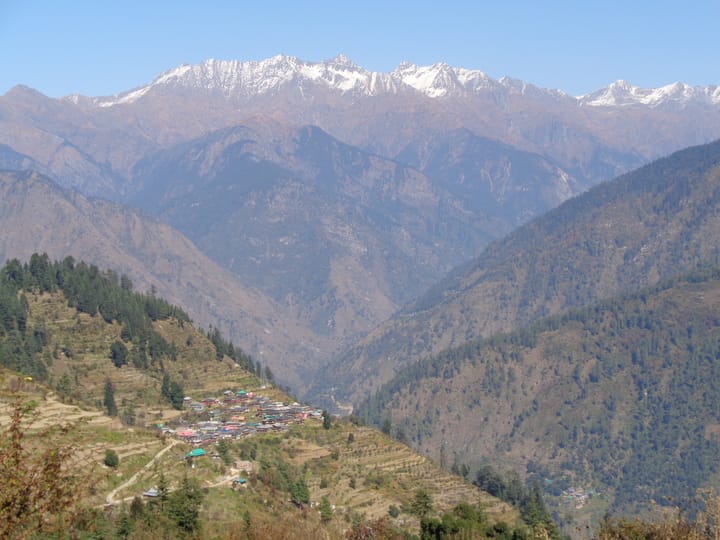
pixel 626 234
pixel 617 399
pixel 90 367
pixel 76 328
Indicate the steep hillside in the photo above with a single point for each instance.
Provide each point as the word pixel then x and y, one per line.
pixel 39 216
pixel 631 232
pixel 617 400
pixel 75 341
pixel 493 179
pixel 13 161
pixel 74 327
pixel 340 236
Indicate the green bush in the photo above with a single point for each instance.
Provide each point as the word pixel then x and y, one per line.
pixel 111 458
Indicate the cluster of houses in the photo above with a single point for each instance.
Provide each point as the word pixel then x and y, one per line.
pixel 577 496
pixel 237 414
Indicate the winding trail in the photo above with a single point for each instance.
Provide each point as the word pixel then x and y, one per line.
pixel 110 499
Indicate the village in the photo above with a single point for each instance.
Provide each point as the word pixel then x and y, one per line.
pixel 235 415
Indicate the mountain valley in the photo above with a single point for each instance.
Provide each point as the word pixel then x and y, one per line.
pixel 414 172
pixel 501 276
pixel 622 235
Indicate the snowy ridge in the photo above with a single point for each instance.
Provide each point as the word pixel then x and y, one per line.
pixel 235 79
pixel 621 93
pixel 440 80
pixel 246 79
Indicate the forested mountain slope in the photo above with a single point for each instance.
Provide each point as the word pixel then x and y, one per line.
pixel 632 232
pixel 340 236
pixel 74 327
pixel 619 398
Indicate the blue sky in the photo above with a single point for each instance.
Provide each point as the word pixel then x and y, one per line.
pixel 102 48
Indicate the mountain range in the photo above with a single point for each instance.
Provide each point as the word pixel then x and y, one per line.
pixel 595 136
pixel 338 194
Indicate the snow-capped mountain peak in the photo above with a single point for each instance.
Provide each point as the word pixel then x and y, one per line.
pixel 342 60
pixel 440 79
pixel 246 79
pixel 621 93
pixel 243 80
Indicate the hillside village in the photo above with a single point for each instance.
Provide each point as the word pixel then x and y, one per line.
pixel 235 415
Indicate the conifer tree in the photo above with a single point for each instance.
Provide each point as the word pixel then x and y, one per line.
pixel 109 400
pixel 325 509
pixel 184 504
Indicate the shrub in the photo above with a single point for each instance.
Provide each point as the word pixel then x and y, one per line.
pixel 111 458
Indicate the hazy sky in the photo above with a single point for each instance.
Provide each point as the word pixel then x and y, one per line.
pixel 102 48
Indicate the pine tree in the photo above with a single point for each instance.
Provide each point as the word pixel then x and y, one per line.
pixel 422 505
pixel 111 458
pixel 184 504
pixel 118 353
pixel 325 509
pixel 177 395
pixel 165 389
pixel 109 400
pixel 163 490
pixel 300 492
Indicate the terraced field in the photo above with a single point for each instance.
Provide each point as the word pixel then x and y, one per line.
pixel 383 472
pixel 79 347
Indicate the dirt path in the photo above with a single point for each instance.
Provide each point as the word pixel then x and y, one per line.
pixel 110 499
pixel 222 482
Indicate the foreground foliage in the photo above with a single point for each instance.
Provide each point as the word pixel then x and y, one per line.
pixel 40 484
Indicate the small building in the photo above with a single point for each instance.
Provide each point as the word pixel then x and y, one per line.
pixel 195 453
